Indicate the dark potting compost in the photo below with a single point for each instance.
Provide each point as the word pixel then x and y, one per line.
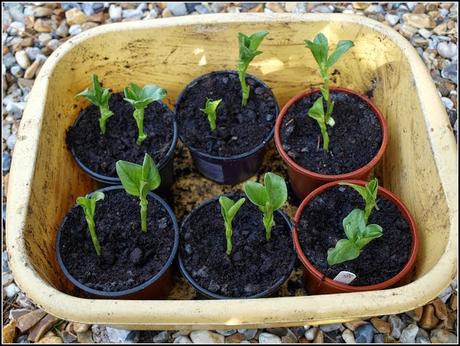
pixel 129 256
pixel 255 264
pixel 239 129
pixel 355 139
pixel 320 227
pixel 100 152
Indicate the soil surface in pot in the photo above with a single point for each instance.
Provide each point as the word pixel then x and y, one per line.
pixel 129 256
pixel 320 228
pixel 239 129
pixel 100 152
pixel 254 265
pixel 355 138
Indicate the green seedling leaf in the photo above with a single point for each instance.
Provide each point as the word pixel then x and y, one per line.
pixel 369 195
pixel 248 51
pixel 317 112
pixel 140 98
pixel 99 96
pixel 88 203
pixel 268 197
pixel 344 250
pixel 210 109
pixel 138 181
pixel 228 209
pixel 319 48
pixel 358 234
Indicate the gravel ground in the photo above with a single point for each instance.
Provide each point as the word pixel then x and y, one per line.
pixel 31 32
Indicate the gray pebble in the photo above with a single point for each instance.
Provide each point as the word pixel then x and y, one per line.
pixel 392 19
pixel 115 12
pixel 16 71
pixel 75 29
pixel 450 72
pixel 201 9
pixel 11 141
pixel 8 60
pixel 177 8
pixel 248 333
pixel 408 334
pixel 162 337
pixel 396 326
pixel 364 333
pixel 87 7
pixel 32 52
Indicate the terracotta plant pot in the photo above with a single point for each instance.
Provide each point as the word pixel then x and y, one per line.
pixel 304 181
pixel 226 169
pixel 317 283
pixel 157 286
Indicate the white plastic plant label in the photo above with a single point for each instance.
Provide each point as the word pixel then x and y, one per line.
pixel 345 277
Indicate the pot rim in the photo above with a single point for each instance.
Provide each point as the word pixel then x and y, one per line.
pixel 210 294
pixel 326 177
pixel 246 154
pixel 349 288
pixel 115 180
pixel 138 288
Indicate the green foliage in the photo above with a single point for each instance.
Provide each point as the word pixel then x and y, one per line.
pixel 140 98
pixel 317 112
pixel 358 236
pixel 210 109
pixel 88 203
pixel 369 194
pixel 319 47
pixel 358 233
pixel 99 96
pixel 248 51
pixel 268 197
pixel 228 209
pixel 138 181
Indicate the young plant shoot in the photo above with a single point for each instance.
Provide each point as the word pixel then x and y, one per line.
pixel 138 181
pixel 88 204
pixel 248 51
pixel 319 48
pixel 369 194
pixel 210 109
pixel 228 209
pixel 268 197
pixel 99 96
pixel 140 98
pixel 358 233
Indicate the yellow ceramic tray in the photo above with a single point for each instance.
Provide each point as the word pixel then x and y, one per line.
pixel 420 164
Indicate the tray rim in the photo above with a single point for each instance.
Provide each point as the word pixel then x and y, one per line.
pixel 212 314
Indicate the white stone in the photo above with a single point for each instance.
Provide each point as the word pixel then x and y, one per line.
pixel 445 49
pixel 115 12
pixel 177 8
pixel 182 340
pixel 206 337
pixel 447 102
pixel 268 338
pixel 117 335
pixel 311 333
pixel 22 59
pixel 11 290
pixel 348 336
pixel 408 334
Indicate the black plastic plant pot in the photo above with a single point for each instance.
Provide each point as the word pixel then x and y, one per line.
pixel 165 164
pixel 157 285
pixel 281 238
pixel 234 122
